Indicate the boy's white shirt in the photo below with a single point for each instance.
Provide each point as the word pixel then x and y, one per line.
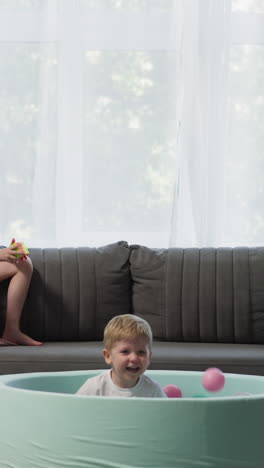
pixel 103 385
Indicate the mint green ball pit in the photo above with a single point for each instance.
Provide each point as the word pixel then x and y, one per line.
pixel 45 425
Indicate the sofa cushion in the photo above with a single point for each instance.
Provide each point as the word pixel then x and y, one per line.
pixel 52 356
pixel 74 292
pixel 200 295
pixel 229 357
pixel 58 356
pixel 148 270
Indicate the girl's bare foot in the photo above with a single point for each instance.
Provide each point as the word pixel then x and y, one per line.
pixel 6 343
pixel 19 338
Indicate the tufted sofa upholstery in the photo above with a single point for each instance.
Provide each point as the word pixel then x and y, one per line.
pixel 205 306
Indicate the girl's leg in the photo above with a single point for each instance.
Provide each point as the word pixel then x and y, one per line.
pixel 20 274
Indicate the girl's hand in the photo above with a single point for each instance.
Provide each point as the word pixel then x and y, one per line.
pixel 8 254
pixel 24 257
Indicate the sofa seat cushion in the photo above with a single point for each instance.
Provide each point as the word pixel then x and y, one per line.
pixel 58 356
pixel 52 356
pixel 232 358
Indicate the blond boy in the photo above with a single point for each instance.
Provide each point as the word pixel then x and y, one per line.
pixel 127 349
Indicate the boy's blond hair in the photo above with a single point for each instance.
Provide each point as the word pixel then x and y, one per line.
pixel 126 327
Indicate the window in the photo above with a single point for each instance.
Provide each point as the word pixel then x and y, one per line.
pixel 245 165
pixel 91 116
pixel 88 120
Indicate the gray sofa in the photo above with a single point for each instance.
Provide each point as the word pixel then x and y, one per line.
pixel 205 306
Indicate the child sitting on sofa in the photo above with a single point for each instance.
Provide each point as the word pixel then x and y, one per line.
pixel 127 349
pixel 20 272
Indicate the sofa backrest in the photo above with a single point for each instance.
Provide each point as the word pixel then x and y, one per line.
pixel 192 295
pixel 200 295
pixel 74 292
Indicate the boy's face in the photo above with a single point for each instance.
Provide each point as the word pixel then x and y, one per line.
pixel 129 359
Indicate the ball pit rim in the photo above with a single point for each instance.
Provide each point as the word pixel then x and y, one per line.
pixel 7 380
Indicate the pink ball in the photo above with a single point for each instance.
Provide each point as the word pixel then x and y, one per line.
pixel 172 391
pixel 213 379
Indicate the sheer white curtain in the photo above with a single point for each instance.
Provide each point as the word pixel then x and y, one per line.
pixel 94 161
pixel 132 119
pixel 199 206
pixel 219 191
